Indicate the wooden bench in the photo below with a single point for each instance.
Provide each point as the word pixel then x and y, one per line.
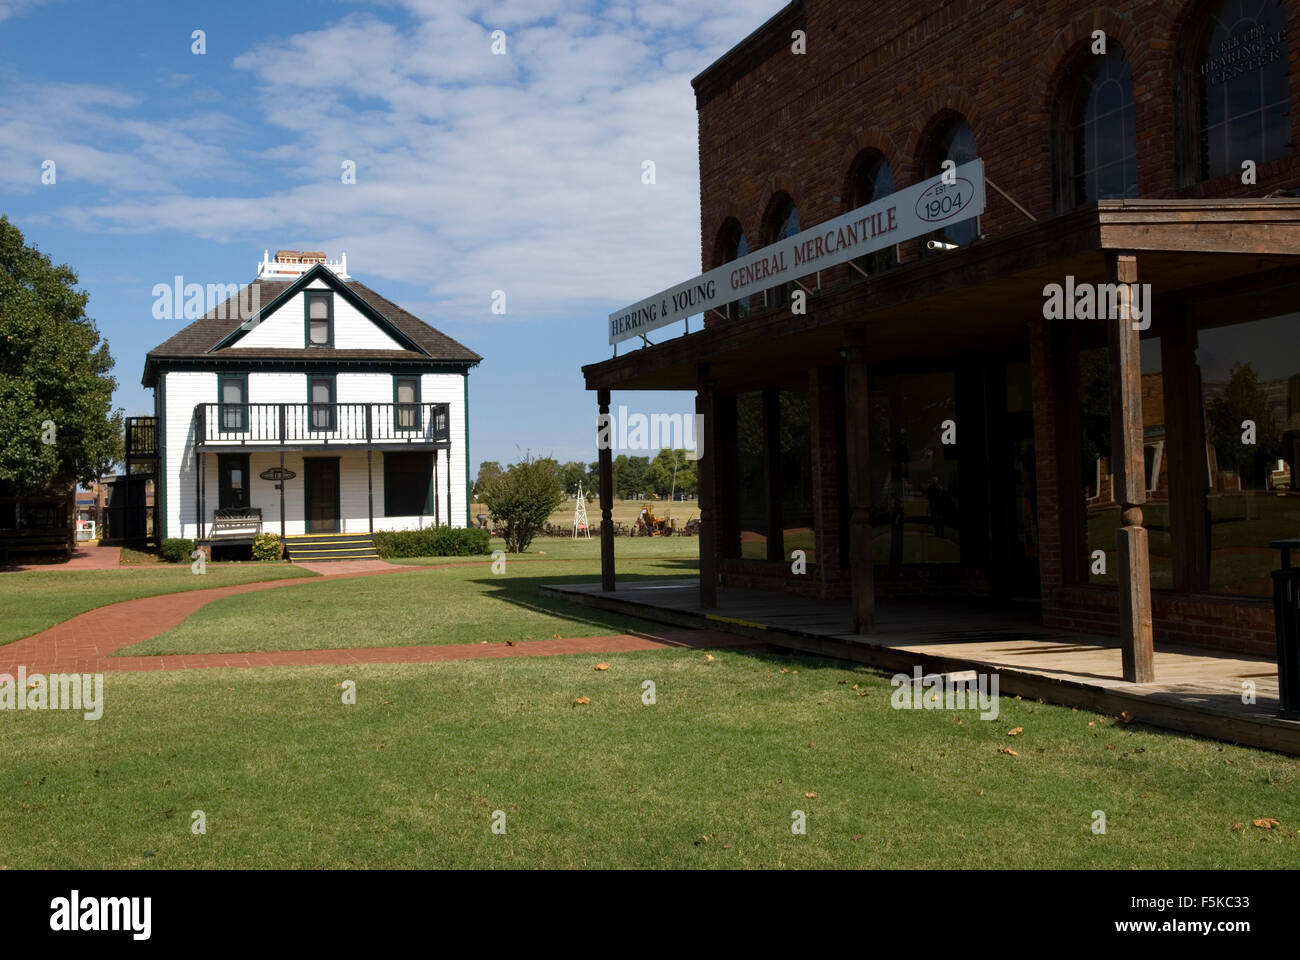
pixel 57 542
pixel 236 521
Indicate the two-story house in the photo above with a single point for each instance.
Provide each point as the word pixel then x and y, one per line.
pixel 312 407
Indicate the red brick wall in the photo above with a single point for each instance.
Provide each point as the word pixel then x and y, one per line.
pixel 877 76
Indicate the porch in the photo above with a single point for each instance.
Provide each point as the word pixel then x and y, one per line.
pixel 1199 691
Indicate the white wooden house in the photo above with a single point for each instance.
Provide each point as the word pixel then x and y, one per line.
pixel 310 375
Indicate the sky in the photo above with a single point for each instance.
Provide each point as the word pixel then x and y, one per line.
pixel 474 172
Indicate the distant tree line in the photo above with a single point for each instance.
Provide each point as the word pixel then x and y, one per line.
pixel 669 472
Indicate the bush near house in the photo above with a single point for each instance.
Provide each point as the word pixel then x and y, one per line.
pixel 176 550
pixel 432 542
pixel 266 546
pixel 522 499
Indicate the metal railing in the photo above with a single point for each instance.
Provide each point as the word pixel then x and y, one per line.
pixel 274 424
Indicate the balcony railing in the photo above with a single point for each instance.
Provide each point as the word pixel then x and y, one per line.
pixel 277 424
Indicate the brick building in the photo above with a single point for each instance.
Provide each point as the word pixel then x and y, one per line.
pixel 917 420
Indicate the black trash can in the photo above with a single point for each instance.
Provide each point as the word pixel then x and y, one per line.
pixel 1286 619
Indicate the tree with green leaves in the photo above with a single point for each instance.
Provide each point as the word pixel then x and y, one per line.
pixel 1243 399
pixel 523 498
pixel 671 472
pixel 630 475
pixel 488 471
pixel 571 475
pixel 57 422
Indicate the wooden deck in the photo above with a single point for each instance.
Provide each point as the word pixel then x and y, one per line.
pixel 1196 690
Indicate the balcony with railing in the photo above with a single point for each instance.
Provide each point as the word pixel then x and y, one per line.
pixel 273 425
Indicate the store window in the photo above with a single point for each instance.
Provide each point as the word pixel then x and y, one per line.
pixel 953 141
pixel 1096 156
pixel 1240 87
pixel 732 246
pixel 1101 510
pixel 1250 392
pixel 795 466
pixel 749 487
pixel 782 223
pixel 873 179
pixel 914 506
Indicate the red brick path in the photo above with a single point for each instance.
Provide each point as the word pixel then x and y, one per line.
pixel 85 643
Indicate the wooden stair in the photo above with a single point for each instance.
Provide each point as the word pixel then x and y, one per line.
pixel 315 547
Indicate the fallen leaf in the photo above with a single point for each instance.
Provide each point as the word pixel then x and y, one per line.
pixel 981 793
pixel 1016 732
pixel 1266 823
pixel 857 836
pixel 1008 751
pixel 1092 723
pixel 1125 717
pixel 855 686
pixel 708 658
pixel 811 745
pixel 726 846
pixel 582 700
pixel 1110 746
pixel 811 794
pixel 1238 826
pixel 702 839
pixel 785 669
pixel 510 643
pixel 602 666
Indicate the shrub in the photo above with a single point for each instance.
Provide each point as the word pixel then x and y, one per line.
pixel 432 542
pixel 266 546
pixel 522 499
pixel 176 550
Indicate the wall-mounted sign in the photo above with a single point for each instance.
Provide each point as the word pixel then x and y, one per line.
pixel 910 212
pixel 278 474
pixel 1250 50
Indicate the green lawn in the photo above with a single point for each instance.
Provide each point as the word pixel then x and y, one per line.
pixel 566 548
pixel 32 602
pixel 709 776
pixel 455 604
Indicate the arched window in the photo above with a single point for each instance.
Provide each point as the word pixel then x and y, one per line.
pixel 872 179
pixel 1240 99
pixel 732 246
pixel 1096 143
pixel 953 141
pixel 782 221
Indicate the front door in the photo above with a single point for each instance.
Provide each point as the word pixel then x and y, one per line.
pixel 322 483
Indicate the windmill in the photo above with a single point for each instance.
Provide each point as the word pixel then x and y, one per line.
pixel 580 515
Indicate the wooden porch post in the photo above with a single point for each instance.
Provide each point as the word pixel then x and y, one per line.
pixel 281 486
pixel 370 486
pixel 857 415
pixel 1128 468
pixel 199 486
pixel 449 510
pixel 706 411
pixel 604 443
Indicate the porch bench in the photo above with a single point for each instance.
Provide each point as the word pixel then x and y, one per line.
pixel 236 521
pixel 33 543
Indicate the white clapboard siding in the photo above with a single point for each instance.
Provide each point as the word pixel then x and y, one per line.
pixel 286 328
pixel 184 390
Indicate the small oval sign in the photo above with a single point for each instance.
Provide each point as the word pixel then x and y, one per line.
pixel 943 201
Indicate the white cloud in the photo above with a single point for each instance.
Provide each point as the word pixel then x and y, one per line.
pixel 475 172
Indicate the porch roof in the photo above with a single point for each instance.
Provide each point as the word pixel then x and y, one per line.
pixel 985 292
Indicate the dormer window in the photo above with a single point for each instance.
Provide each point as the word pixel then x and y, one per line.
pixel 320 318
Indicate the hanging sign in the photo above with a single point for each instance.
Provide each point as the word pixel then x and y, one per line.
pixel 911 212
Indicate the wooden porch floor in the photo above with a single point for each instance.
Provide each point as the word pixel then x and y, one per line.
pixel 1196 690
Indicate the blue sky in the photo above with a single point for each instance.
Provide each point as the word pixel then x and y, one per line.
pixel 474 172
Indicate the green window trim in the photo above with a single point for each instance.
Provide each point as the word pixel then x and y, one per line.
pixel 224 409
pixel 324 420
pixel 307 297
pixel 408 416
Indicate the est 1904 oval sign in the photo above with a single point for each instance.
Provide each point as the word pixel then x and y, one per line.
pixel 943 201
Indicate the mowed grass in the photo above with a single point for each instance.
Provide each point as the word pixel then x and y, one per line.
pixel 464 603
pixel 32 602
pixel 709 776
pixel 566 548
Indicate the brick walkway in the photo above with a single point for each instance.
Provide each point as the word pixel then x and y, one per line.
pixel 85 643
pixel 85 556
